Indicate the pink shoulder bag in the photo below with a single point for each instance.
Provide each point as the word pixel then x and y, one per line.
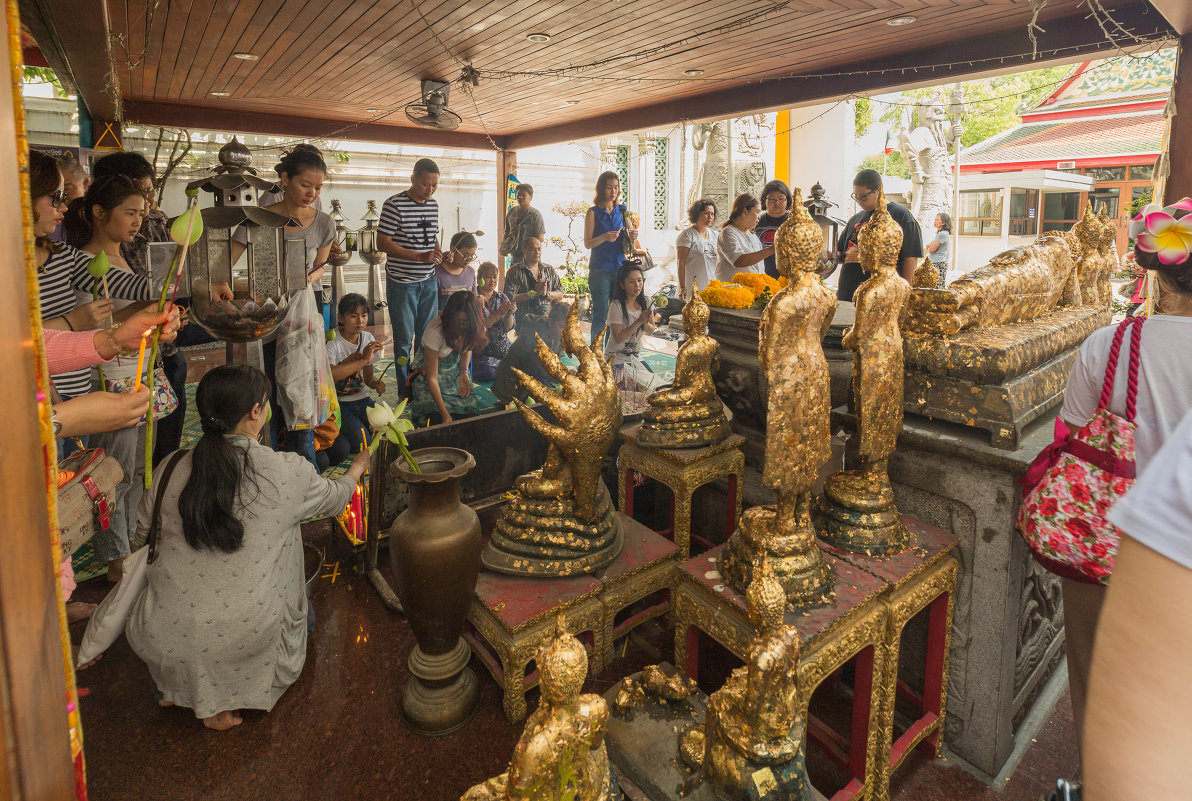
pixel 1071 485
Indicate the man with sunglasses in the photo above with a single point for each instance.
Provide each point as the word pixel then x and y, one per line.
pixel 865 188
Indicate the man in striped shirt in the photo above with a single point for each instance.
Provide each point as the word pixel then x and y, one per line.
pixel 409 235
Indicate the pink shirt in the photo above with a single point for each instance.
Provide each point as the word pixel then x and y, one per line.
pixel 70 350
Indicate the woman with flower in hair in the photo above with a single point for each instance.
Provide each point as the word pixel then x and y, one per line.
pixel 1163 242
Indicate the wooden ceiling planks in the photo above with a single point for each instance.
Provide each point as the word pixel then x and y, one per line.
pixel 332 61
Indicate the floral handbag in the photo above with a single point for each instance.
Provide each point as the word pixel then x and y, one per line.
pixel 1071 485
pixel 164 399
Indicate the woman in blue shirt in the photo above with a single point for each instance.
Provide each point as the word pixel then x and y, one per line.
pixel 602 228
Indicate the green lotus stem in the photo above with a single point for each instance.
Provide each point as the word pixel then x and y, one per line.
pixel 171 276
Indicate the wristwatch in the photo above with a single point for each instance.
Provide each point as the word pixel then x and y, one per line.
pixel 56 423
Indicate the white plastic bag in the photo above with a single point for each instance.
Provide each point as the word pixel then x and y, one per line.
pixel 108 620
pixel 305 389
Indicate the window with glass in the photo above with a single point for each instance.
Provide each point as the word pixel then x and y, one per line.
pixel 1142 172
pixel 980 213
pixel 1060 211
pixel 1024 212
pixel 1106 173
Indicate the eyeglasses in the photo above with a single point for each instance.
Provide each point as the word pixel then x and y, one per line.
pixel 58 198
pixel 861 198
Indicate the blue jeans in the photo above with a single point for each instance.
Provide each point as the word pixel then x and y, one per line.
pixel 354 417
pixel 411 308
pixel 600 284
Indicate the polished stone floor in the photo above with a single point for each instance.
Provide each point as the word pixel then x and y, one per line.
pixel 336 733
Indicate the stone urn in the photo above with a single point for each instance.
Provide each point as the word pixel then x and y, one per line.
pixel 434 550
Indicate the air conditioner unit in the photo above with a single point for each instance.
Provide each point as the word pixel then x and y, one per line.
pixel 1065 165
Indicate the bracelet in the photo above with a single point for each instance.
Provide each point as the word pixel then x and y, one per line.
pixel 110 334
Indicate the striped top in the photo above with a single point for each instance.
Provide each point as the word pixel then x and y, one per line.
pixel 62 274
pixel 414 226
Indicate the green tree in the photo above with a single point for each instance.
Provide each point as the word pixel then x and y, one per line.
pixel 43 75
pixel 892 164
pixel 993 104
pixel 862 116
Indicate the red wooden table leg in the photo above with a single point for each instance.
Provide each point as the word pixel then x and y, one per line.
pixel 858 743
pixel 630 486
pixel 933 673
pixel 732 505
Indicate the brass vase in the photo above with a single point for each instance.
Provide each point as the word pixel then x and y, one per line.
pixel 434 549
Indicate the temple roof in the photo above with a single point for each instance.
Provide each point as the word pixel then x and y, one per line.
pixel 1070 140
pixel 1114 81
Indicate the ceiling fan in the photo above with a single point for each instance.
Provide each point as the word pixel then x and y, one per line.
pixel 432 112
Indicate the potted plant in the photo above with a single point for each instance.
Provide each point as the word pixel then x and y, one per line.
pixel 574 269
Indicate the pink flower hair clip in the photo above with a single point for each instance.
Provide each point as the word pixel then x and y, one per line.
pixel 1158 231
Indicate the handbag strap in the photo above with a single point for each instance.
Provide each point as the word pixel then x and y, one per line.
pixel 155 522
pixel 1132 370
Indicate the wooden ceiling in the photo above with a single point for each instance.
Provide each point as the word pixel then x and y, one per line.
pixel 322 65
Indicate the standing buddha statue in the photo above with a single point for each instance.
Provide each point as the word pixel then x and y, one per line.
pixel 857 512
pixel 798 431
pixel 688 414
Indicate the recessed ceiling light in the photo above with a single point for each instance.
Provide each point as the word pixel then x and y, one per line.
pixel 245 56
pixel 371 110
pixel 220 94
pixel 897 21
pixel 693 73
pixel 572 102
pixel 539 38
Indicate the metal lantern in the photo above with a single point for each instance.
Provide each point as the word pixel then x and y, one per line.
pixel 818 207
pixel 345 241
pixel 366 242
pixel 260 282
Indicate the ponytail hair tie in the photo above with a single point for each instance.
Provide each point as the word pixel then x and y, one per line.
pixel 214 426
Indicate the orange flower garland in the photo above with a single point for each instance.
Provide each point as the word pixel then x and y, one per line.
pixel 727 296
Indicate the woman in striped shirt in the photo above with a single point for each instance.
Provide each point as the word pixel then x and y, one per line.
pixel 61 270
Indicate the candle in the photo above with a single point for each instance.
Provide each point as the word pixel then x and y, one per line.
pixel 141 359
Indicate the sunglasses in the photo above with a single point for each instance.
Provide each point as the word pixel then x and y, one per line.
pixel 58 198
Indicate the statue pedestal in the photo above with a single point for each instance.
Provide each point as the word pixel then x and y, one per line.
pixel 997 379
pixel 1008 634
pixel 643 747
pixel 739 379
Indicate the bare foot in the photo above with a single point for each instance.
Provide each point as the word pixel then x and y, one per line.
pixel 74 652
pixel 164 703
pixel 115 570
pixel 78 610
pixel 223 721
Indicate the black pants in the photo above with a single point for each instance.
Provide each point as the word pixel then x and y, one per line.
pixel 851 277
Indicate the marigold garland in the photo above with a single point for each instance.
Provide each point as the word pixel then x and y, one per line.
pixel 727 296
pixel 759 282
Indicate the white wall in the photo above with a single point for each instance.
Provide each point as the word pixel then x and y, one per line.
pixel 821 150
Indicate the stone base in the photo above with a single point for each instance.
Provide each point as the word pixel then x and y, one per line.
pixel 538 537
pixel 803 573
pixel 708 429
pixel 643 747
pixel 857 514
pixel 1003 410
pixel 997 379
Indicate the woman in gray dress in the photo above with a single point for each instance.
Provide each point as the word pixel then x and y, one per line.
pixel 222 622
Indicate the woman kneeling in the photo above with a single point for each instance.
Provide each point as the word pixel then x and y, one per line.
pixel 222 622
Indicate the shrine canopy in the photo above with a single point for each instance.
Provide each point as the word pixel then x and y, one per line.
pixel 535 73
pixel 1108 114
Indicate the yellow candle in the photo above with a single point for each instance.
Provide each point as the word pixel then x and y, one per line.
pixel 141 359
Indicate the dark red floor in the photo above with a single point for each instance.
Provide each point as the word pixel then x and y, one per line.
pixel 337 734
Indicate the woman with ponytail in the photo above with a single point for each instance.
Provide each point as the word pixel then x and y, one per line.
pixel 222 622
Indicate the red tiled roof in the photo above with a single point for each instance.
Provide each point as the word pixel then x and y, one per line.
pixel 1071 139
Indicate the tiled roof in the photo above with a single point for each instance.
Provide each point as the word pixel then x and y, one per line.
pixel 1071 139
pixel 1120 79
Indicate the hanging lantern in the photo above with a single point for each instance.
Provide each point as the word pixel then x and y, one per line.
pixel 374 257
pixel 245 299
pixel 818 207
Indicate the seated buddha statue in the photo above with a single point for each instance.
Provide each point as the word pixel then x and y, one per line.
pixel 755 720
pixel 561 754
pixel 857 512
pixel 688 414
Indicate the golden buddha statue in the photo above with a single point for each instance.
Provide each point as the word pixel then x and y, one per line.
pixel 652 682
pixel 753 722
pixel 561 753
pixel 927 275
pixel 798 431
pixel 688 414
pixel 561 520
pixel 857 512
